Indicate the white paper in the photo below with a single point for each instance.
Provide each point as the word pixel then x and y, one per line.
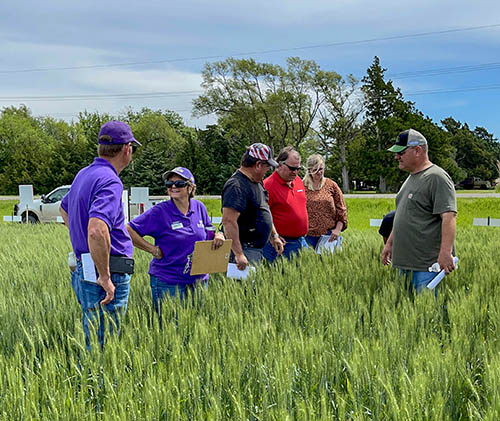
pixel 234 272
pixel 125 205
pixel 439 277
pixel 89 274
pixel 324 245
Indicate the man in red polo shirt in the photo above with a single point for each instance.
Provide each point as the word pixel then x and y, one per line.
pixel 287 201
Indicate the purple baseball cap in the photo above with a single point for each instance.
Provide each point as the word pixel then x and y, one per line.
pixel 181 172
pixel 116 133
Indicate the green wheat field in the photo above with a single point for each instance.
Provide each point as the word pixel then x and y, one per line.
pixel 317 338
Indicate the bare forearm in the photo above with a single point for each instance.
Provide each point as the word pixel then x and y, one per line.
pixel 339 226
pixel 99 246
pixel 232 231
pixel 448 232
pixel 64 216
pixel 140 242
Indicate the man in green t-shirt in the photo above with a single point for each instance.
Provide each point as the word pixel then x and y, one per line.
pixel 426 208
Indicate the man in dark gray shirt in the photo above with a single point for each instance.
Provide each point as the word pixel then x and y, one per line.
pixel 426 209
pixel 246 217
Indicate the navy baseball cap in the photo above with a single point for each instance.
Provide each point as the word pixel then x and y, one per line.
pixel 408 139
pixel 116 133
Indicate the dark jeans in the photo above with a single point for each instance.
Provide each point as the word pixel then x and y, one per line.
pixel 419 279
pixel 313 241
pixel 89 295
pixel 292 246
pixel 254 255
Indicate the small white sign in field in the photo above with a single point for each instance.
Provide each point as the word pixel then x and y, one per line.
pixel 486 222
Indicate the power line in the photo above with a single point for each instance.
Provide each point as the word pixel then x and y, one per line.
pixel 257 52
pixel 449 91
pixel 49 98
pixel 173 94
pixel 445 71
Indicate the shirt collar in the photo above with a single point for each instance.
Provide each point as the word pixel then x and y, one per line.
pixel 283 182
pixel 105 163
pixel 175 210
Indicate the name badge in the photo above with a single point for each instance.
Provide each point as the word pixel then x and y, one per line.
pixel 200 224
pixel 177 225
pixel 301 190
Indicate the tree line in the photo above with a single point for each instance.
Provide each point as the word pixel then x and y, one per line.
pixel 350 122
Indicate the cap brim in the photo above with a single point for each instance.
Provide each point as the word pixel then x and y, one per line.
pixel 136 141
pixel 167 174
pixel 397 148
pixel 272 163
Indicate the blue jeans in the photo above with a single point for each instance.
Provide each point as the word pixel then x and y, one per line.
pixel 253 254
pixel 292 246
pixel 89 296
pixel 312 241
pixel 419 280
pixel 160 290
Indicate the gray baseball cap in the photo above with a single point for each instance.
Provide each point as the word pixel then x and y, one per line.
pixel 408 139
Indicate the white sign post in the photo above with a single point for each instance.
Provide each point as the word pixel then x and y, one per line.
pixel 25 199
pixel 140 197
pixel 486 222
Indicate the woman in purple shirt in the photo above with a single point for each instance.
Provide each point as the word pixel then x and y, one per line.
pixel 175 226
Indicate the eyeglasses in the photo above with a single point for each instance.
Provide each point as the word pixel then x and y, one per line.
pixel 134 147
pixel 316 171
pixel 293 169
pixel 179 184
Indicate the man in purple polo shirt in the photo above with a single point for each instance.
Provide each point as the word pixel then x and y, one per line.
pixel 93 212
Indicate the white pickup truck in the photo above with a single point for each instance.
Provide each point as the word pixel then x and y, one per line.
pixel 45 209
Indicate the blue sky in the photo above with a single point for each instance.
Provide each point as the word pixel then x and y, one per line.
pixel 70 49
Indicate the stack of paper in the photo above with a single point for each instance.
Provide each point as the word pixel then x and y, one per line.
pixel 326 246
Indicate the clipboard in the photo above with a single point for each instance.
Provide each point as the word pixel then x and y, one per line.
pixel 206 260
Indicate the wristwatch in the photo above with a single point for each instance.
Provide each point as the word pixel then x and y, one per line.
pixel 157 252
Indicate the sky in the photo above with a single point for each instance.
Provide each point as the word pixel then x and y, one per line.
pixel 61 57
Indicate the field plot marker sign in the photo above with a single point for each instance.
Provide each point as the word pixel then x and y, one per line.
pixel 25 198
pixel 375 222
pixel 140 196
pixel 486 222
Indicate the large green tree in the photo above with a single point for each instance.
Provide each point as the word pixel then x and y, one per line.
pixel 266 102
pixel 339 124
pixel 26 152
pixel 477 151
pixel 160 147
pixel 386 113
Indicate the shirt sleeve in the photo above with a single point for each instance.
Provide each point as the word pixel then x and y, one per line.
pixel 234 197
pixel 64 203
pixel 148 223
pixel 340 206
pixel 443 194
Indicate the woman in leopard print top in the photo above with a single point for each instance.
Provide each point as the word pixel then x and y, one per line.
pixel 325 203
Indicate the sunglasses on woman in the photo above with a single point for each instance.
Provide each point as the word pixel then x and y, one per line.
pixel 179 184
